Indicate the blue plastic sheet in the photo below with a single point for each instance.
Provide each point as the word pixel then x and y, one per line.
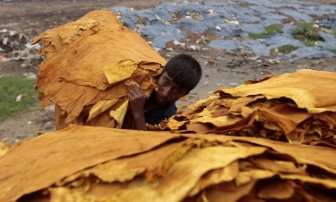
pixel 158 29
pixel 259 9
pixel 192 25
pixel 147 14
pixel 229 30
pixel 161 41
pixel 329 23
pixel 307 52
pixel 329 41
pixel 296 15
pixel 225 44
pixel 257 47
pixel 171 21
pixel 167 6
pixel 253 28
pixel 270 18
pixel 278 40
pixel 128 16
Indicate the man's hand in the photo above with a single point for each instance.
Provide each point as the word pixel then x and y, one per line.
pixel 137 99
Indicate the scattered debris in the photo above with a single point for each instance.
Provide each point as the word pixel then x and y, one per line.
pixel 260 27
pixel 17 46
pixel 18 98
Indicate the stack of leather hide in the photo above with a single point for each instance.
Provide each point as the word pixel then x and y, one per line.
pixel 85 163
pixel 89 67
pixel 297 107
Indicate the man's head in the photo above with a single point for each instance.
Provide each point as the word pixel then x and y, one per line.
pixel 182 73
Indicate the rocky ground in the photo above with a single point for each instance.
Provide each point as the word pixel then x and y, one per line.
pixel 221 67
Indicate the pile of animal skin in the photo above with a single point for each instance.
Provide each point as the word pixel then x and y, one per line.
pixel 89 67
pixel 91 164
pixel 297 107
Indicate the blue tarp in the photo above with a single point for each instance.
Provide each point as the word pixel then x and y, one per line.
pixel 307 52
pixel 225 44
pixel 257 47
pixel 171 21
pixel 278 40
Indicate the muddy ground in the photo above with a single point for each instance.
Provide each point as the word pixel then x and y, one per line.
pixel 219 68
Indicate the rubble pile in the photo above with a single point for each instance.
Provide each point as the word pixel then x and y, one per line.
pixel 90 65
pixel 228 25
pixel 16 46
pixel 102 164
pixel 297 107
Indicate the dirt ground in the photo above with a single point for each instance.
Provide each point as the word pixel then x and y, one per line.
pixel 219 68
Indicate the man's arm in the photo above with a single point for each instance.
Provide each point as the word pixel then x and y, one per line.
pixel 137 100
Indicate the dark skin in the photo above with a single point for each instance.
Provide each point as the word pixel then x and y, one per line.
pixel 168 93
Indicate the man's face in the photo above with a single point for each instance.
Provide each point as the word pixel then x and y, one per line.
pixel 168 91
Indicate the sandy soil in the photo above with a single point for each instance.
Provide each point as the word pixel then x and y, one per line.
pixel 219 68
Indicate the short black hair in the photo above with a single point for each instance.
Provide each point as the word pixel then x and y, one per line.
pixel 184 70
